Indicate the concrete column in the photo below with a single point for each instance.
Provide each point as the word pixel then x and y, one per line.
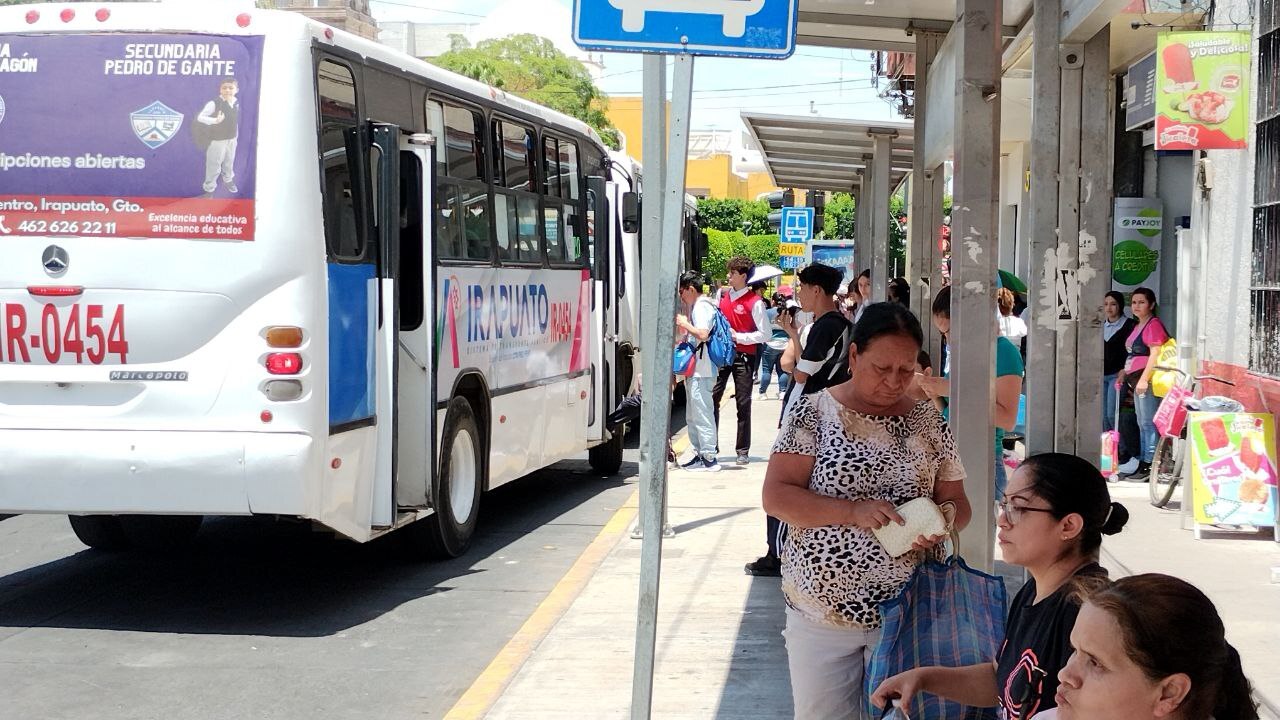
pixel 863 242
pixel 1042 344
pixel 973 263
pixel 1071 63
pixel 923 216
pixel 1096 131
pixel 882 144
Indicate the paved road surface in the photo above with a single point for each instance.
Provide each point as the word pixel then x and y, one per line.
pixel 265 619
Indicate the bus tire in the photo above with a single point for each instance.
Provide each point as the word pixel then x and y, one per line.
pixel 606 458
pixel 447 532
pixel 160 533
pixel 100 532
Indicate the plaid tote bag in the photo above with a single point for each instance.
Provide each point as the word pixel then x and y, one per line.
pixel 948 614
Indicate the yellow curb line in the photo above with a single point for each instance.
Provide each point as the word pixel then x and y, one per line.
pixel 489 686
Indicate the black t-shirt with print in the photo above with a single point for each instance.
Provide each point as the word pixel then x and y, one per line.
pixel 828 343
pixel 1037 644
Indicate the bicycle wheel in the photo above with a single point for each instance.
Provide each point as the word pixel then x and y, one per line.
pixel 1166 471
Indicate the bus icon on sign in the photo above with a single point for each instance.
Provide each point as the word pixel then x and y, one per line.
pixel 797 224
pixel 733 12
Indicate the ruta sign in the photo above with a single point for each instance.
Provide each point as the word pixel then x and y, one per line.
pixel 1202 90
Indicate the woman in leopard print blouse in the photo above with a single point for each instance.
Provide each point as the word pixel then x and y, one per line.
pixel 844 459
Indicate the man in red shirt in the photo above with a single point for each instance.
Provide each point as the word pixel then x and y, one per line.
pixel 745 312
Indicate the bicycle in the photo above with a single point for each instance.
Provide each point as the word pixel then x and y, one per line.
pixel 1169 460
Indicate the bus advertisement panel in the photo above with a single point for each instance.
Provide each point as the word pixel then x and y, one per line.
pixel 155 135
pixel 519 327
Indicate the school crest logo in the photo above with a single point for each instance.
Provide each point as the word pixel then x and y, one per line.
pixel 155 124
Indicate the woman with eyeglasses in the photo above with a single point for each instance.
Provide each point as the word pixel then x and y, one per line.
pixel 1052 519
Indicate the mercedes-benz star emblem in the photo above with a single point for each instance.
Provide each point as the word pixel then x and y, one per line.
pixel 55 260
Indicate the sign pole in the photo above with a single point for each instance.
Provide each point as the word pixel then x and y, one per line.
pixel 664 212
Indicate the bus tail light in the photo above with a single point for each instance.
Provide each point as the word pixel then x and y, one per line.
pixel 243 20
pixel 283 336
pixel 67 15
pixel 102 14
pixel 282 390
pixel 32 16
pixel 284 363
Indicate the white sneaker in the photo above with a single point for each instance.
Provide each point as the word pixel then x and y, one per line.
pixel 711 465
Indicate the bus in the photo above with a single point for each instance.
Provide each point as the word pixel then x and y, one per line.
pixel 254 265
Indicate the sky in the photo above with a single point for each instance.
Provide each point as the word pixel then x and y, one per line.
pixel 821 82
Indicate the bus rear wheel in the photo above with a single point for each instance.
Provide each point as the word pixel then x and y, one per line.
pixel 100 532
pixel 447 532
pixel 606 458
pixel 160 533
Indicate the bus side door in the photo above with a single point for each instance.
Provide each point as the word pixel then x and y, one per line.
pixel 603 334
pixel 416 389
pixel 386 202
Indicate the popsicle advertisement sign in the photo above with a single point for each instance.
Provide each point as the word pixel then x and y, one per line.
pixel 1233 468
pixel 1202 90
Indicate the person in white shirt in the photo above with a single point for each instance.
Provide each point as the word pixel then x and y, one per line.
pixel 1011 326
pixel 222 115
pixel 699 415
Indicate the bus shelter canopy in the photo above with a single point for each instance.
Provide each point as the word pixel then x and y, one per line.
pixel 814 153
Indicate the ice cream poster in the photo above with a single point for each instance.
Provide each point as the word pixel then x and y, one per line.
pixel 1202 90
pixel 1233 470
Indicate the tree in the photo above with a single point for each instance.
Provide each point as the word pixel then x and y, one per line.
pixel 533 68
pixel 839 217
pixel 729 214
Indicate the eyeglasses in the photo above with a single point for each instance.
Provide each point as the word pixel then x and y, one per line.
pixel 1014 512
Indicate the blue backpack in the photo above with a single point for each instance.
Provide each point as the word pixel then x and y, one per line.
pixel 720 346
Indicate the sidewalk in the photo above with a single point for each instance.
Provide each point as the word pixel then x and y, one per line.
pixel 720 652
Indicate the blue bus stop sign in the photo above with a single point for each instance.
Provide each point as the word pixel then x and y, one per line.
pixel 797 224
pixel 730 28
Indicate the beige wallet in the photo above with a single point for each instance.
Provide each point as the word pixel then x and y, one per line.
pixel 923 517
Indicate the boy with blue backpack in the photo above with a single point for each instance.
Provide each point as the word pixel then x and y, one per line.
pixel 699 328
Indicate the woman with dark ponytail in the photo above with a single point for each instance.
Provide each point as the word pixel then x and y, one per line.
pixel 1052 519
pixel 1152 646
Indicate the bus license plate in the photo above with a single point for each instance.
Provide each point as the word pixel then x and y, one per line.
pixel 82 333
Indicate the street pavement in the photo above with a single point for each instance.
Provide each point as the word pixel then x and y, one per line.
pixel 263 619
pixel 719 651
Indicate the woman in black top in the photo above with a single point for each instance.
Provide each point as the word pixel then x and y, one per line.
pixel 1052 520
pixel 1116 327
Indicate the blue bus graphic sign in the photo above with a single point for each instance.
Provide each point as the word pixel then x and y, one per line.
pixel 729 28
pixel 797 224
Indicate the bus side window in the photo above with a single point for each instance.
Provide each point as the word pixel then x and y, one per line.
pixel 461 204
pixel 337 94
pixel 410 278
pixel 519 235
pixel 574 220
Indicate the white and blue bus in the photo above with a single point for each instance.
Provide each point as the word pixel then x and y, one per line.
pixel 256 266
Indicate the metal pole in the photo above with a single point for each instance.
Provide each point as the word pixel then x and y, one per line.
pixel 1096 129
pixel 662 253
pixel 882 149
pixel 1042 345
pixel 973 264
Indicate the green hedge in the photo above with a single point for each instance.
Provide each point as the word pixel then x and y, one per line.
pixel 724 244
